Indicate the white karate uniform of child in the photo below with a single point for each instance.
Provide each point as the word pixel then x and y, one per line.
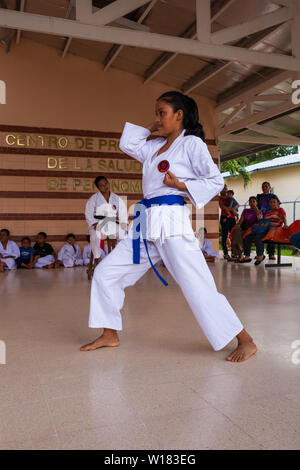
pixel 70 253
pixel 169 234
pixel 9 252
pixel 206 245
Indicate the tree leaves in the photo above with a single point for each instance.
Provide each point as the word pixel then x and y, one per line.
pixel 238 167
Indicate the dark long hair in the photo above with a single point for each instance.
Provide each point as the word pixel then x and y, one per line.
pixel 189 108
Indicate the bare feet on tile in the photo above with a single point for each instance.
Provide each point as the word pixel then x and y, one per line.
pixel 245 349
pixel 109 338
pixel 242 352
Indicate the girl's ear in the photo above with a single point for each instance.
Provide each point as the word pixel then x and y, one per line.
pixel 179 115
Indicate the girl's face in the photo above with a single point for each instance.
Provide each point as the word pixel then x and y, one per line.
pixel 103 186
pixel 252 203
pixel 166 120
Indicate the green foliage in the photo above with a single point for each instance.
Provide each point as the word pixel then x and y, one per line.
pixel 282 151
pixel 238 167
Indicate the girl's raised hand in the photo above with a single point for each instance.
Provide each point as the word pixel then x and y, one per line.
pixel 153 127
pixel 171 180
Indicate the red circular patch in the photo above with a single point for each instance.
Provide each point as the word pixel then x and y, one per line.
pixel 163 166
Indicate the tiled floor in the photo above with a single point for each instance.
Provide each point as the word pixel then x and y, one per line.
pixel 164 388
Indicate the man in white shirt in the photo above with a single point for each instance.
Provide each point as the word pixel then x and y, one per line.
pixel 104 198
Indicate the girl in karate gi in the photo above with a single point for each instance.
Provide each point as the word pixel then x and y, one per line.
pixel 69 255
pixel 176 165
pixel 9 252
pixel 106 199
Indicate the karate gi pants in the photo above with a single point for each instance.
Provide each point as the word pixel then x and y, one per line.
pixel 10 263
pixel 44 261
pixel 95 243
pixel 188 268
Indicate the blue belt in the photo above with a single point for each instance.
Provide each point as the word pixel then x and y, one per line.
pixel 139 222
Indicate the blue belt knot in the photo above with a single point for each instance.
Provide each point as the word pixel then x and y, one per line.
pixel 139 225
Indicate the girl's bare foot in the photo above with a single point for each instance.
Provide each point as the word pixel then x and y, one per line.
pixel 246 348
pixel 242 352
pixel 106 340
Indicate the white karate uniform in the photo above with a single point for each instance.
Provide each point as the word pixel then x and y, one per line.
pixel 11 249
pixel 207 246
pixel 86 254
pixel 44 261
pixel 111 229
pixel 69 256
pixel 170 238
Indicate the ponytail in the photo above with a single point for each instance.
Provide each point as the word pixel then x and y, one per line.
pixel 189 108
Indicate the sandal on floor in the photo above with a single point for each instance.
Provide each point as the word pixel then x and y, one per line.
pixel 272 257
pixel 258 262
pixel 245 260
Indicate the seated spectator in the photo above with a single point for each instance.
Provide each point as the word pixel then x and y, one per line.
pixel 9 251
pixel 206 245
pixel 276 217
pixel 295 240
pixel 263 204
pixel 248 218
pixel 87 252
pixel 26 254
pixel 44 255
pixel 69 255
pixel 232 203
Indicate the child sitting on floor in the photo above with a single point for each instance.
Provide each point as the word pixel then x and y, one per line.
pixel 9 251
pixel 69 256
pixel 26 254
pixel 45 256
pixel 206 245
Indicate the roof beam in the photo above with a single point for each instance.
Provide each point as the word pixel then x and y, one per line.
pixel 62 27
pixel 295 29
pixel 22 8
pixel 274 97
pixel 255 118
pixel 108 14
pixel 210 70
pixel 285 3
pixel 262 129
pixel 226 35
pixel 203 17
pixel 117 48
pixel 252 91
pixel 190 33
pixel 259 139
